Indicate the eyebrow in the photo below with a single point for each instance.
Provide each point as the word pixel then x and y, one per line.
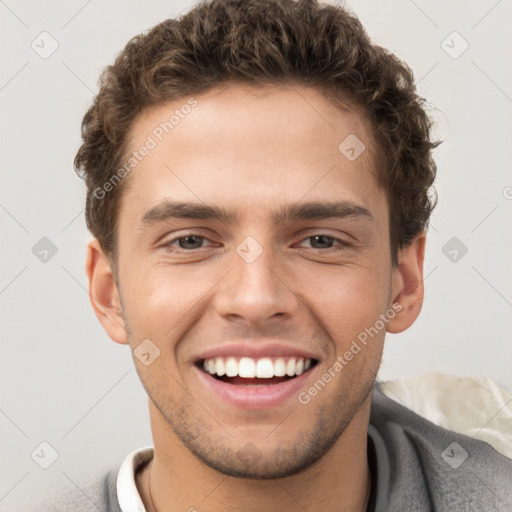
pixel 166 210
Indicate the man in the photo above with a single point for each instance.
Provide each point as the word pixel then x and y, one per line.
pixel 258 179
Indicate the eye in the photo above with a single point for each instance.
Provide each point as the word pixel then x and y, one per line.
pixel 322 241
pixel 187 242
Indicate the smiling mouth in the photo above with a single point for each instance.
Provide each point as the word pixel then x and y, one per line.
pixel 247 371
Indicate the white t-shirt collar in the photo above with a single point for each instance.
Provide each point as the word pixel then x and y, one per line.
pixel 127 493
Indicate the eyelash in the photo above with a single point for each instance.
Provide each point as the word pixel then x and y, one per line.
pixel 343 244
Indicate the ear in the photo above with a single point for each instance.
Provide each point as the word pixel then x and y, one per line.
pixel 103 293
pixel 407 287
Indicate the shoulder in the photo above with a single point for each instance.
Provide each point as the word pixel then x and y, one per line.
pixel 91 493
pixel 435 464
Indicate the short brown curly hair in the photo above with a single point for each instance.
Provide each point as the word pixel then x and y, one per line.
pixel 263 42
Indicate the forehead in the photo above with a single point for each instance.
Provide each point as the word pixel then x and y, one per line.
pixel 241 143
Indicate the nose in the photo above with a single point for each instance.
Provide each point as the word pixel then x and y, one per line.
pixel 254 292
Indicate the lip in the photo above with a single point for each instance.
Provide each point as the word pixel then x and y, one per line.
pixel 256 350
pixel 254 397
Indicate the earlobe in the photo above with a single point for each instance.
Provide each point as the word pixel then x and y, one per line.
pixel 408 289
pixel 103 293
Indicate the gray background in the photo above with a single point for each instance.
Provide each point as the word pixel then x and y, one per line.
pixel 64 381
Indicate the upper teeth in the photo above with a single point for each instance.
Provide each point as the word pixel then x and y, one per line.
pixel 264 368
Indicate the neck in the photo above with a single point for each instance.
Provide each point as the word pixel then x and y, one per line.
pixel 175 480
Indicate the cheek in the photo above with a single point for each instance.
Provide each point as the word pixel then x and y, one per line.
pixel 349 300
pixel 160 298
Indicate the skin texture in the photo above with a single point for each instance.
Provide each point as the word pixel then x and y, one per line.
pixel 253 151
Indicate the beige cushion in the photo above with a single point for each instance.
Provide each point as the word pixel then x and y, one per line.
pixel 475 406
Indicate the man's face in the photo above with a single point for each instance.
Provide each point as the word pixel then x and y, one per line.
pixel 266 282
